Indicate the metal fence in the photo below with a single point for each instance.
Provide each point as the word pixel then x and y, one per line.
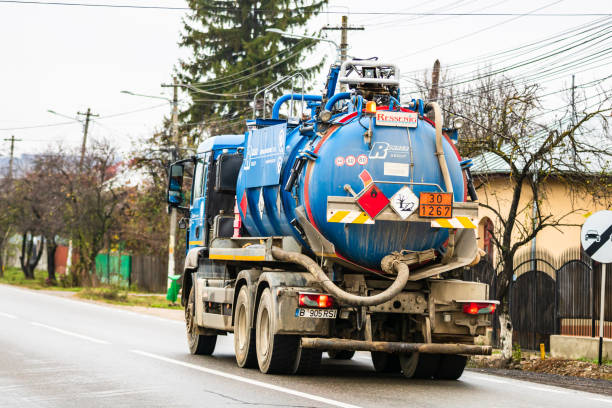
pixel 551 295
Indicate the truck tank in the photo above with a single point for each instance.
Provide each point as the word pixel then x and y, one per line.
pixel 398 156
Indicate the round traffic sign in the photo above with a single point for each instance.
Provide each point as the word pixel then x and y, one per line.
pixel 596 236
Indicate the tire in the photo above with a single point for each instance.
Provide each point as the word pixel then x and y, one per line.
pixel 427 366
pixel 385 362
pixel 276 354
pixel 308 362
pixel 341 354
pixel 451 367
pixel 244 335
pixel 198 344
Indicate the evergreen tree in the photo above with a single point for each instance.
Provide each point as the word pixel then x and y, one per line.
pixel 232 56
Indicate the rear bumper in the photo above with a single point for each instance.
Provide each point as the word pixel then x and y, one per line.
pixel 393 346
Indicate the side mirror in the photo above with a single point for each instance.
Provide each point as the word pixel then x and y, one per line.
pixel 175 185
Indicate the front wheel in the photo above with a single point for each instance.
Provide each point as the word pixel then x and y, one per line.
pixel 276 354
pixel 198 344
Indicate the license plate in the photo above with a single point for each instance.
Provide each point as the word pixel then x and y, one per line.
pixel 436 205
pixel 316 313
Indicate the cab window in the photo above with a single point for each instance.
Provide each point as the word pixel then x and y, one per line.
pixel 198 180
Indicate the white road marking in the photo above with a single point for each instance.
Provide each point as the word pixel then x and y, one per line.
pixel 478 377
pixel 10 316
pixel 69 333
pixel 96 306
pixel 546 389
pixel 609 401
pixel 249 381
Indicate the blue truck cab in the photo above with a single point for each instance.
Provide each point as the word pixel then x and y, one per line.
pixel 213 192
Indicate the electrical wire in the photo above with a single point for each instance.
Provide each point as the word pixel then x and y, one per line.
pixel 263 10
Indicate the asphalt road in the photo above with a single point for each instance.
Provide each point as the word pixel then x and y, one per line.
pixel 58 352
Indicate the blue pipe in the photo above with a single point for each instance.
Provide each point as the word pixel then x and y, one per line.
pixel 279 102
pixel 332 101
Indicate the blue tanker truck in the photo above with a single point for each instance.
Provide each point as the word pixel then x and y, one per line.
pixel 336 223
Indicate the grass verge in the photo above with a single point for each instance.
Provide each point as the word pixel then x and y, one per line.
pixel 14 276
pixel 114 295
pixel 121 297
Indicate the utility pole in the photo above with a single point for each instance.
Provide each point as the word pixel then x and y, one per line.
pixel 88 116
pixel 344 29
pixel 12 140
pixel 173 212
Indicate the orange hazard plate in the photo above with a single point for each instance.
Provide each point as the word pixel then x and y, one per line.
pixel 436 205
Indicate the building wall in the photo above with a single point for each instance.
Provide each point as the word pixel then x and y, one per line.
pixel 567 206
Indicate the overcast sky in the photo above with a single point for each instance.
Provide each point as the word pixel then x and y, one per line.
pixel 70 58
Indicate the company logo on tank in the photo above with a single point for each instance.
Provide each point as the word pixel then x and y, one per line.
pixel 384 150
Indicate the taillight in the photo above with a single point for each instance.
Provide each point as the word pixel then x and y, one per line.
pixel 474 308
pixel 315 300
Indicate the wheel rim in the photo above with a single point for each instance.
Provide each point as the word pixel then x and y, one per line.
pixel 242 330
pixel 190 322
pixel 409 363
pixel 263 340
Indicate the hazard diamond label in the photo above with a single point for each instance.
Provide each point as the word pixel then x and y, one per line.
pixel 404 202
pixel 372 200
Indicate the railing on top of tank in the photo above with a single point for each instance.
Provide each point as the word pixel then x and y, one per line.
pixel 415 183
pixel 275 85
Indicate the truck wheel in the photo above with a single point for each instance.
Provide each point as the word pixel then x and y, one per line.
pixel 341 354
pixel 276 354
pixel 198 344
pixel 244 335
pixel 409 363
pixel 451 367
pixel 385 362
pixel 308 361
pixel 427 366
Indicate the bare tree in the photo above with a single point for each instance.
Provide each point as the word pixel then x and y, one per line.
pixel 43 204
pixel 7 216
pixel 513 136
pixel 92 203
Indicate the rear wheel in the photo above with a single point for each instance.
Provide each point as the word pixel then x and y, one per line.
pixel 409 363
pixel 341 354
pixel 276 354
pixel 427 366
pixel 451 367
pixel 308 361
pixel 244 335
pixel 385 362
pixel 198 343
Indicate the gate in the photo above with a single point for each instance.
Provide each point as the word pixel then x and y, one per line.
pixel 575 300
pixel 532 305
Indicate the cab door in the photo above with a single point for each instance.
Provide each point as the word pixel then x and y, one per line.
pixel 198 202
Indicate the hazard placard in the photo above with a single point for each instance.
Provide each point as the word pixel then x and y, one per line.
pixel 596 236
pixel 372 200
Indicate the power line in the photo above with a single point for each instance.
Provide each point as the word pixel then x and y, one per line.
pixel 261 10
pixel 74 122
